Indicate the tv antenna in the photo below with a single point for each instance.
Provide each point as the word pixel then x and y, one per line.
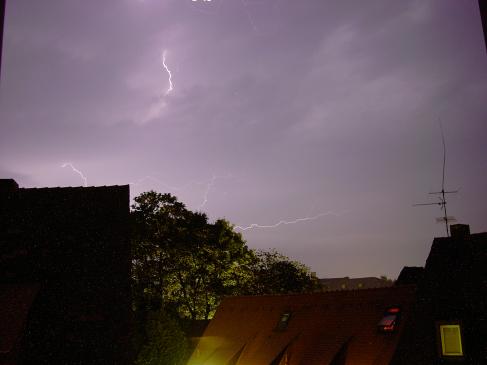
pixel 442 194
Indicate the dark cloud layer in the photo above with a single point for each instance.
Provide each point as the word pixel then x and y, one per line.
pixel 280 110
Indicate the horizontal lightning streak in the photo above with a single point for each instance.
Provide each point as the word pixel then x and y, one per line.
pixel 77 171
pixel 283 222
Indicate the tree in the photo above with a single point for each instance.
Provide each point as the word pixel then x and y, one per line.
pixel 215 266
pixel 182 261
pixel 185 264
pixel 165 342
pixel 275 273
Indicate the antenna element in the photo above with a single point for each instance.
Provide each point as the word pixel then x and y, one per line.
pixel 442 194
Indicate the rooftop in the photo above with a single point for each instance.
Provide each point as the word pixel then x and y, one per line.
pixel 317 328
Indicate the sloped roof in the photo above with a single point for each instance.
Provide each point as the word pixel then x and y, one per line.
pixel 322 327
pixel 15 303
pixel 410 275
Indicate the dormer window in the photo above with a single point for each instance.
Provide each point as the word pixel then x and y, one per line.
pixel 390 319
pixel 450 336
pixel 283 321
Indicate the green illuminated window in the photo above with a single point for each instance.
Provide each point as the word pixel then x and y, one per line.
pixel 451 340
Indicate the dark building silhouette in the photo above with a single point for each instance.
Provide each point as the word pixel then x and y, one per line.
pixel 453 292
pixel 15 302
pixel 64 275
pixel 483 18
pixel 410 275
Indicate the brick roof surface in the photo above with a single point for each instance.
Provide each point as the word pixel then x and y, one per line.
pixel 320 327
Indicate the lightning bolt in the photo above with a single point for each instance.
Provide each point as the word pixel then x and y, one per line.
pixel 170 88
pixel 254 27
pixel 157 107
pixel 207 191
pixel 209 185
pixel 77 171
pixel 283 222
pixel 274 4
pixel 209 6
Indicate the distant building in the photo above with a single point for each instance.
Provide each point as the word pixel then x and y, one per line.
pixel 346 283
pixel 64 275
pixel 432 315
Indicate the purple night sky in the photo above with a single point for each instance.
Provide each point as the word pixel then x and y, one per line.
pixel 262 111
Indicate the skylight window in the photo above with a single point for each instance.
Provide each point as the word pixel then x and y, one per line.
pixel 451 340
pixel 283 321
pixel 389 321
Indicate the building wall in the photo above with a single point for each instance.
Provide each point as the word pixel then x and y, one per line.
pixel 74 242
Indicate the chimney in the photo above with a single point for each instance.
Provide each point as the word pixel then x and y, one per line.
pixel 8 186
pixel 460 231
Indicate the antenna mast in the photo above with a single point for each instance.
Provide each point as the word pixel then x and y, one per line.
pixel 441 194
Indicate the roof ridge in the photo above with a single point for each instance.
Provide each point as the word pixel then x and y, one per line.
pixel 75 187
pixel 392 287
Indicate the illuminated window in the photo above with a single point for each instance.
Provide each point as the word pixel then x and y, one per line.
pixel 389 321
pixel 283 321
pixel 451 340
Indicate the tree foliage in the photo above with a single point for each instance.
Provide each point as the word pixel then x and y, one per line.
pixel 275 273
pixel 165 343
pixel 182 261
pixel 185 264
